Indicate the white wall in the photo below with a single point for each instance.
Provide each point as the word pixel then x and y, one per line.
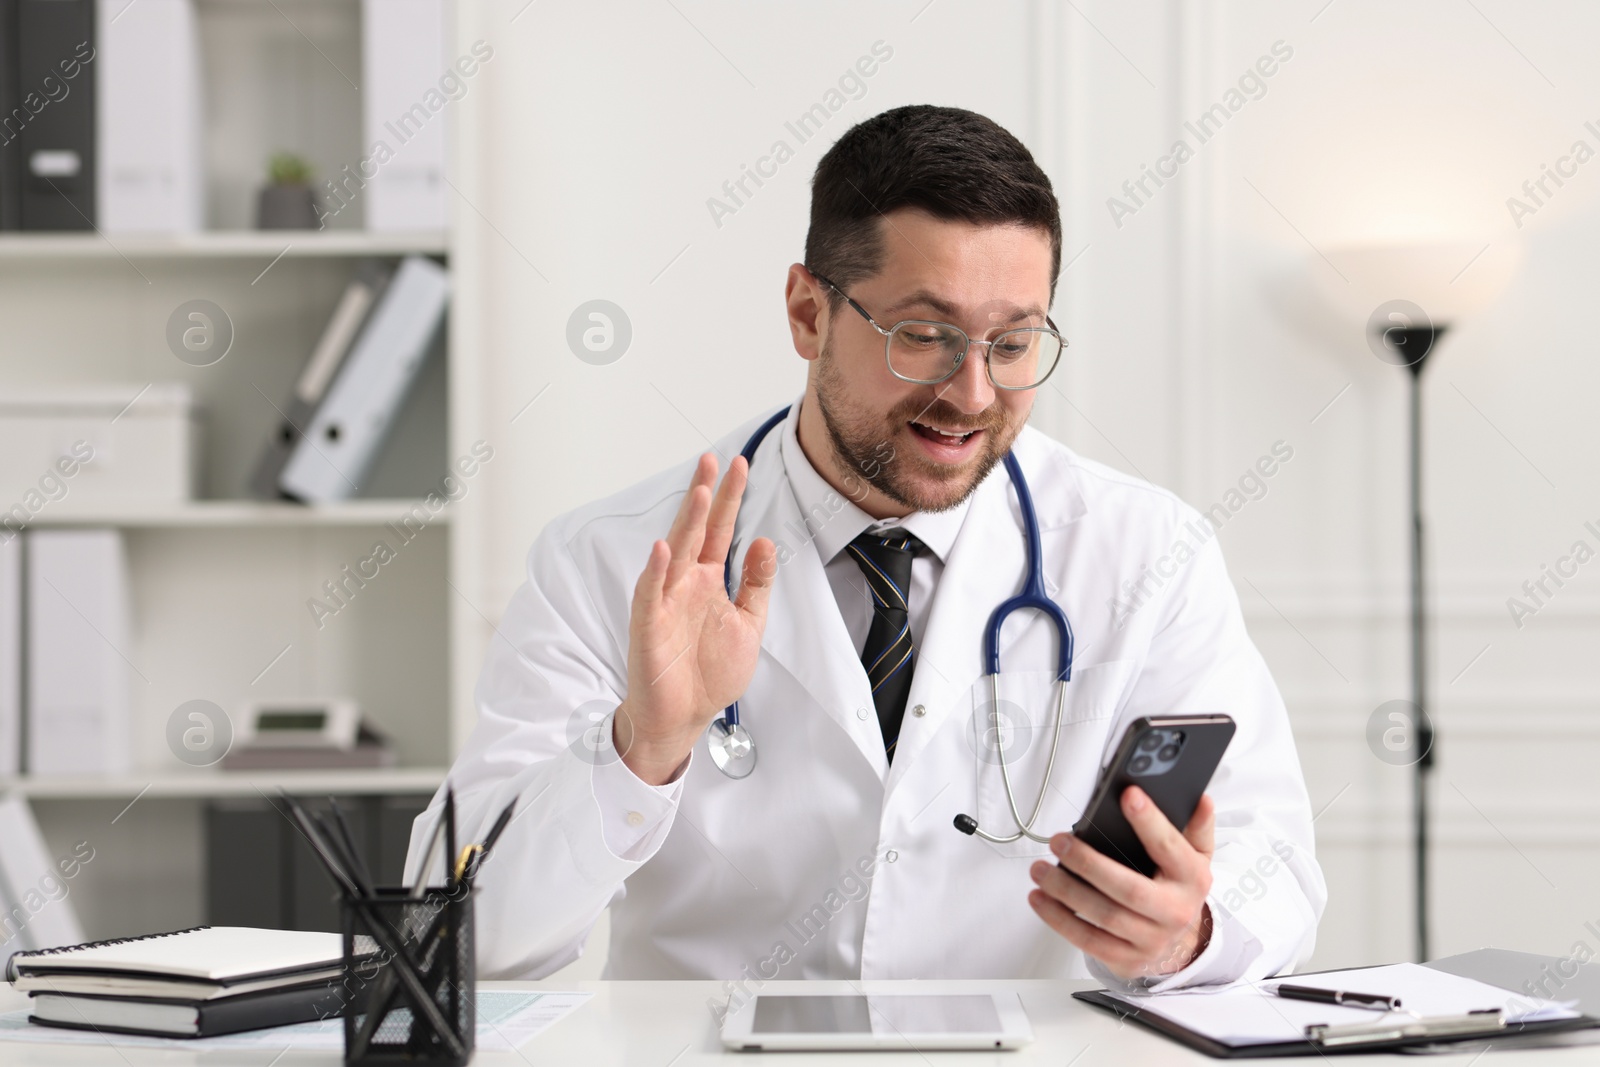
pixel 596 134
pixel 1403 124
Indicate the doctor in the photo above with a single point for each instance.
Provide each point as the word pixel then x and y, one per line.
pixel 871 536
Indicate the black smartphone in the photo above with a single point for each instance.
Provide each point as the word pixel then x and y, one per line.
pixel 1170 757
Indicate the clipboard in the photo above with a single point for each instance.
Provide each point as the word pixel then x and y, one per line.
pixel 1427 1035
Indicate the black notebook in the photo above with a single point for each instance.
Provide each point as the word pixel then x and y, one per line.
pixel 160 1017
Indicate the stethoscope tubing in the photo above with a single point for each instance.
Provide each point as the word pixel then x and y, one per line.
pixel 1024 829
pixel 731 714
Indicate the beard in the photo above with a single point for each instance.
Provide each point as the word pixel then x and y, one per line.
pixel 863 444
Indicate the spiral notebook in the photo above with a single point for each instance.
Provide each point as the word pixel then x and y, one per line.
pixel 201 963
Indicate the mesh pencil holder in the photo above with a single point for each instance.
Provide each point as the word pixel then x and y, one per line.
pixel 409 964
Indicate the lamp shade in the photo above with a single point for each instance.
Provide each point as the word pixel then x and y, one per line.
pixel 1447 280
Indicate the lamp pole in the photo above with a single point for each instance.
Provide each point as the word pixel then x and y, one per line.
pixel 1414 344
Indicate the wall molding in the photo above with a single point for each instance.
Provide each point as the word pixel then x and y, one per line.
pixel 1503 824
pixel 1490 722
pixel 1454 598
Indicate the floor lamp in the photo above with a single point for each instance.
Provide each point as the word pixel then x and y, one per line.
pixel 1413 344
pixel 1450 280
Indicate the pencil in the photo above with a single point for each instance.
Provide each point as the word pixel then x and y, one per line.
pixel 449 836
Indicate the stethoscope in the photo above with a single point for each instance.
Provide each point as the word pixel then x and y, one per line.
pixel 733 750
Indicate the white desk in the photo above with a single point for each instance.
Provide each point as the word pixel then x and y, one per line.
pixel 667 1024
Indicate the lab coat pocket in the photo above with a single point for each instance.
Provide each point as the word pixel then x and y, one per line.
pixel 1021 726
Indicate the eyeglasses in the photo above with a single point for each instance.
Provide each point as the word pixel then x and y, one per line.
pixel 926 352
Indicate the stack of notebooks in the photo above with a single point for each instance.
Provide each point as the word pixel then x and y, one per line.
pixel 200 982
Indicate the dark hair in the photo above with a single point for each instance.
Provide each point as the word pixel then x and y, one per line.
pixel 951 163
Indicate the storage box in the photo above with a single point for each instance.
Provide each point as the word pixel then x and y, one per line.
pixel 96 444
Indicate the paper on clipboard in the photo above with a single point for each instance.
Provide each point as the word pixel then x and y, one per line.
pixel 1254 1015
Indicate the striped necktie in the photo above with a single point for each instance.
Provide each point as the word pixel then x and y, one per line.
pixel 885 561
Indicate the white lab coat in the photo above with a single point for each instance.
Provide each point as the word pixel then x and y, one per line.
pixel 829 862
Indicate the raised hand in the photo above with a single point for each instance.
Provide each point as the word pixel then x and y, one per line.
pixel 691 651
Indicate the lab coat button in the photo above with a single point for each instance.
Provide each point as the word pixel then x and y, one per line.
pixel 891 855
pixel 635 819
pixel 919 711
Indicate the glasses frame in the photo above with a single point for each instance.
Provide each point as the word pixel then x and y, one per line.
pixel 988 364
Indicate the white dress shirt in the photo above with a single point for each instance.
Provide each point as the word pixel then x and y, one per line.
pixel 937 531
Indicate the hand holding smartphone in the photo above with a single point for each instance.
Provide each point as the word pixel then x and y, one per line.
pixel 1170 757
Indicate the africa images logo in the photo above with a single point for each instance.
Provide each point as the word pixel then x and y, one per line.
pixel 851 85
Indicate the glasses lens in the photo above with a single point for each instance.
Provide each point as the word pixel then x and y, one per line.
pixel 925 351
pixel 1021 359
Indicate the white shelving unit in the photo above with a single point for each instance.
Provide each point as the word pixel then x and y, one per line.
pixel 221 585
pixel 242 244
pixel 244 513
pixel 207 785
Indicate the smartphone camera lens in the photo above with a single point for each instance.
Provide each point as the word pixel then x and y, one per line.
pixel 1139 764
pixel 1151 741
pixel 1168 753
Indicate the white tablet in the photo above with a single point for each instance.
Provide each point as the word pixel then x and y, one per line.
pixel 905 1021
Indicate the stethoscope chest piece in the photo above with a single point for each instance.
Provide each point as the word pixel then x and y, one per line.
pixel 732 748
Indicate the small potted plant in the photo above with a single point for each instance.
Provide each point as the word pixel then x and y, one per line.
pixel 287 202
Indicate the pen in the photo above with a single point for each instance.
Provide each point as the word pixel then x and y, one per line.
pixel 1337 996
pixel 499 825
pixel 472 856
